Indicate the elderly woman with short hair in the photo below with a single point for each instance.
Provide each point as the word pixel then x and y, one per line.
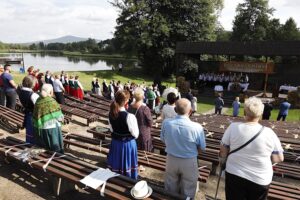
pixel 144 119
pixel 47 118
pixel 249 170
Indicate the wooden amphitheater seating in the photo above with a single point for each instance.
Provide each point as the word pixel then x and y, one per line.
pixel 84 107
pixel 88 103
pixel 72 169
pixel 96 100
pixel 100 97
pixel 11 117
pixel 70 111
pixel 149 159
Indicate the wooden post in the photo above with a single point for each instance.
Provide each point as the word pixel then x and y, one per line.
pixel 266 81
pixel 23 62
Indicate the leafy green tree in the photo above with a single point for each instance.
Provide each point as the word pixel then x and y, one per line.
pixel 154 27
pixel 274 30
pixel 289 31
pixel 251 21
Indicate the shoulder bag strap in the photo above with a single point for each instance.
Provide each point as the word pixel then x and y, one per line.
pixel 249 141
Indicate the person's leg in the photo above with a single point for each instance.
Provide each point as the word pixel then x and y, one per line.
pixel 189 179
pixel 172 181
pixel 234 187
pixel 11 99
pixel 220 111
pixel 278 117
pixel 283 117
pixel 216 110
pixel 255 191
pixel 2 97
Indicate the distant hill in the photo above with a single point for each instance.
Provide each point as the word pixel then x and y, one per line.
pixel 64 39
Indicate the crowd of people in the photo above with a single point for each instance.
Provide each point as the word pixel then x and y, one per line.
pixel 212 79
pixel 130 120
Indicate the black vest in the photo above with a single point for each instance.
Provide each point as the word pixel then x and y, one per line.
pixel 25 98
pixel 120 127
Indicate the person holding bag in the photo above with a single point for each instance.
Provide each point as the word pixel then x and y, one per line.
pixel 248 147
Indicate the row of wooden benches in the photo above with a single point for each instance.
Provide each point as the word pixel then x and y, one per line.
pixel 289 169
pixel 73 170
pixel 277 190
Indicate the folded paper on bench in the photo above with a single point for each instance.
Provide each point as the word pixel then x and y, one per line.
pixel 98 177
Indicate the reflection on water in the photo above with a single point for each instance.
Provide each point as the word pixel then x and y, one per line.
pixel 57 62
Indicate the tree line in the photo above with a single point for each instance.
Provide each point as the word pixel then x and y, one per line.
pixel 150 29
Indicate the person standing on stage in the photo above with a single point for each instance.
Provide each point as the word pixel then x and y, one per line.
pixel 122 157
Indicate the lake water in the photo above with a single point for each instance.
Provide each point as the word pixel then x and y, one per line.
pixel 56 62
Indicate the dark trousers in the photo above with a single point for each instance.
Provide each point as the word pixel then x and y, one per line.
pixel 218 111
pixel 2 97
pixel 237 188
pixel 281 116
pixel 266 117
pixel 59 97
pixel 11 97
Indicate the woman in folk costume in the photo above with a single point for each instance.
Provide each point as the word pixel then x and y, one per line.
pixel 97 88
pixel 123 157
pixel 47 118
pixel 28 98
pixel 71 86
pixel 66 84
pixel 78 88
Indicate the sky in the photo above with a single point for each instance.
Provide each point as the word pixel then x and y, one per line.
pixel 34 20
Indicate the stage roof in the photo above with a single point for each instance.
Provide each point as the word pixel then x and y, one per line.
pixel 259 48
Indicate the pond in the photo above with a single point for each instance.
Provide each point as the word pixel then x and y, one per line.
pixel 57 62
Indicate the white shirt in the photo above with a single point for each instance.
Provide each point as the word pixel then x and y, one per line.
pixel 253 162
pixel 168 111
pixel 34 96
pixel 132 124
pixel 57 86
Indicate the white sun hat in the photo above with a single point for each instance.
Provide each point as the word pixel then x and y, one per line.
pixel 141 190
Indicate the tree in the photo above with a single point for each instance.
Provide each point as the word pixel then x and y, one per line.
pixel 251 21
pixel 274 30
pixel 289 31
pixel 153 28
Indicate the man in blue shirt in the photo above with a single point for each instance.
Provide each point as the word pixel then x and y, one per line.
pixel 283 110
pixel 9 87
pixel 183 139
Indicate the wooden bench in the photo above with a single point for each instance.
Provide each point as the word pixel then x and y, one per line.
pixel 70 111
pixel 72 169
pixel 11 118
pixel 149 159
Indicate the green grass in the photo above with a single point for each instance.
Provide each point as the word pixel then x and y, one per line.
pixel 205 104
pixel 294 114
